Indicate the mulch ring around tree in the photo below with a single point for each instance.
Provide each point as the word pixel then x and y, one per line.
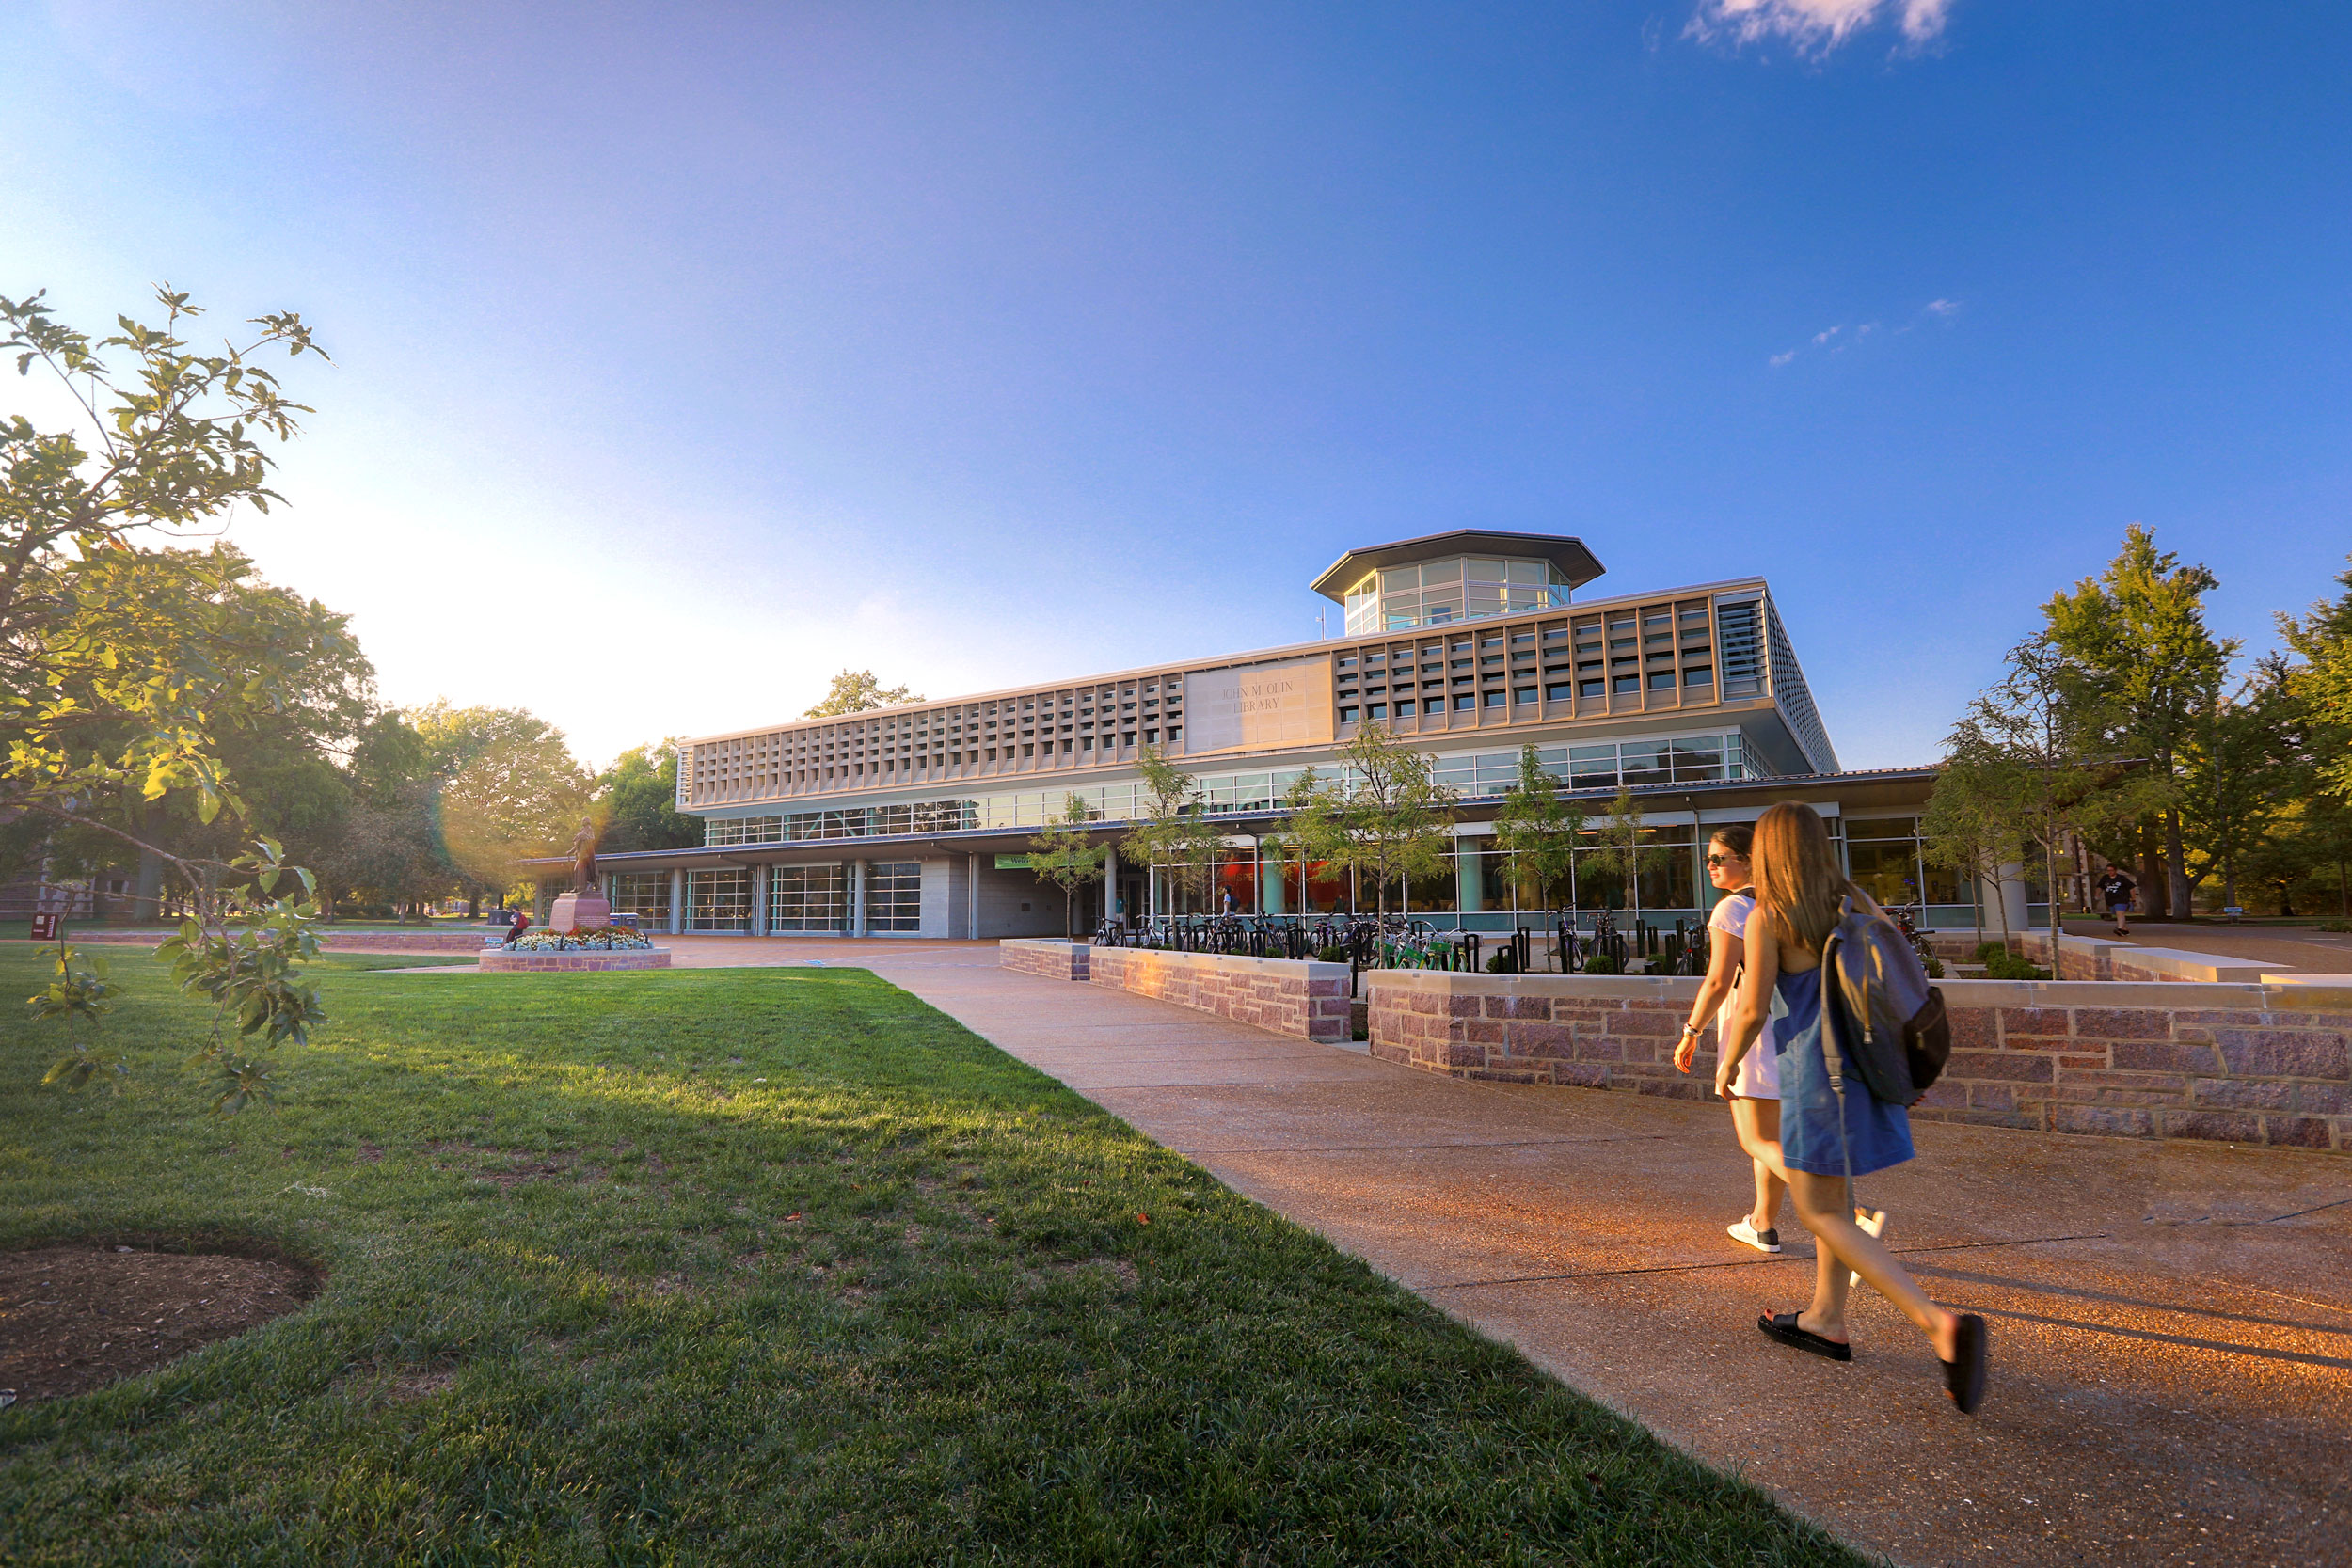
pixel 78 1315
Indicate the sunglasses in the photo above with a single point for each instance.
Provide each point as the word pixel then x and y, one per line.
pixel 1714 860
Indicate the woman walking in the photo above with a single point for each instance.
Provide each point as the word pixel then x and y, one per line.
pixel 1826 1137
pixel 1754 1091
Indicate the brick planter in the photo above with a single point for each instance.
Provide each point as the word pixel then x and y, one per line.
pixel 1051 956
pixel 2249 1064
pixel 1301 998
pixel 505 961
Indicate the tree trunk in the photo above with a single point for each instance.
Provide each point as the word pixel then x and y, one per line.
pixel 2152 873
pixel 2343 890
pixel 2175 865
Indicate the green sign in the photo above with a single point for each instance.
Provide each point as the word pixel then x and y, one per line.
pixel 1012 863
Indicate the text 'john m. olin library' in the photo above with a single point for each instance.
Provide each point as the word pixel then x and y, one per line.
pixel 1469 645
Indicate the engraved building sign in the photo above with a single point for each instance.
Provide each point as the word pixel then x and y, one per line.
pixel 1257 705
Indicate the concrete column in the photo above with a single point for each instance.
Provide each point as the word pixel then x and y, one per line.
pixel 972 896
pixel 1273 884
pixel 677 902
pixel 2003 891
pixel 1473 875
pixel 1151 888
pixel 759 901
pixel 857 898
pixel 1110 881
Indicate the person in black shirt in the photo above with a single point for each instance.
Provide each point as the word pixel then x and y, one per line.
pixel 2116 890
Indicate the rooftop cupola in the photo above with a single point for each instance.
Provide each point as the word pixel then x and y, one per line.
pixel 1463 576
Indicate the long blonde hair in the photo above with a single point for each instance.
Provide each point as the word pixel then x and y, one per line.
pixel 1799 886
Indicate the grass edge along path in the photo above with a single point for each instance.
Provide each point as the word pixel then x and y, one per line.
pixel 766 1266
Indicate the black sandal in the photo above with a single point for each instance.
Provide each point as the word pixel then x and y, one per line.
pixel 1783 1326
pixel 1964 1375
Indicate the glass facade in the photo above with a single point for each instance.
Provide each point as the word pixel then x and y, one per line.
pixel 718 900
pixel 1462 588
pixel 1882 856
pixel 893 896
pixel 808 898
pixel 642 894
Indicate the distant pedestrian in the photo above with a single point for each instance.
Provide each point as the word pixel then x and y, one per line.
pixel 1755 1092
pixel 2115 891
pixel 523 923
pixel 1826 1135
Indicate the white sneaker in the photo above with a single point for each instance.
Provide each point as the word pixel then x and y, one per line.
pixel 1872 1223
pixel 1747 1234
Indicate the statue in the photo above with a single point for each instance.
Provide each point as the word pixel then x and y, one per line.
pixel 584 856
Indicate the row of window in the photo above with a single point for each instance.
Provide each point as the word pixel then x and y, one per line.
pixel 800 898
pixel 1603 764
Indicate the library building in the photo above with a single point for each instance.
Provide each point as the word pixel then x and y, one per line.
pixel 1469 646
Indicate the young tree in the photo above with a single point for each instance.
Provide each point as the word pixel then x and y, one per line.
pixel 1174 833
pixel 1971 825
pixel 118 660
pixel 1537 825
pixel 855 691
pixel 1623 847
pixel 1387 817
pixel 1065 856
pixel 637 799
pixel 2135 637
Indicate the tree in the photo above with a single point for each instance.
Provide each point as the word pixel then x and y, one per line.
pixel 510 789
pixel 1972 823
pixel 2321 683
pixel 1538 827
pixel 637 799
pixel 2046 728
pixel 1623 847
pixel 1387 818
pixel 2234 778
pixel 1174 833
pixel 1066 856
pixel 855 691
pixel 2135 637
pixel 117 659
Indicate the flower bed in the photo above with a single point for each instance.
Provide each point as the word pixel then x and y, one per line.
pixel 610 939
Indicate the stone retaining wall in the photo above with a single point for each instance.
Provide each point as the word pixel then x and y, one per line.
pixel 1302 998
pixel 2099 958
pixel 506 962
pixel 2251 1064
pixel 1053 957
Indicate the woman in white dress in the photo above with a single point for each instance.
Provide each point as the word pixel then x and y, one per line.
pixel 1755 1091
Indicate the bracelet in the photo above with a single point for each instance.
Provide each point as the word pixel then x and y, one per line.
pixel 1688 1029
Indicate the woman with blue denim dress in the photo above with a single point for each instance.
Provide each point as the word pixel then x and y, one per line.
pixel 1825 1137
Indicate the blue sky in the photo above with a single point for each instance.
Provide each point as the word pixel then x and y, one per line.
pixel 726 346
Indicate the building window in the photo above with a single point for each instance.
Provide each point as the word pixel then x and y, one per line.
pixel 1348 716
pixel 1559 693
pixel 1376 710
pixel 1628 683
pixel 1698 676
pixel 893 896
pixel 1591 688
pixel 1404 710
pixel 644 894
pixel 1465 701
pixel 1661 680
pixel 718 900
pixel 1494 699
pixel 1524 694
pixel 807 898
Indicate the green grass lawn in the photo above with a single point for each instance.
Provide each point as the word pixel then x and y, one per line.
pixel 763 1266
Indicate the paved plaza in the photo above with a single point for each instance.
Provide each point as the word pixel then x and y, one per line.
pixel 2172 1321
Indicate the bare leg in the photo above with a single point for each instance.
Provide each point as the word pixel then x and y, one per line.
pixel 1840 1246
pixel 1758 1123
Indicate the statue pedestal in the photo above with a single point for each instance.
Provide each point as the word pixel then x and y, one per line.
pixel 580 911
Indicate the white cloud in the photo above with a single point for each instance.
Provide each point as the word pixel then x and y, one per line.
pixel 1945 307
pixel 1780 359
pixel 1821 338
pixel 1813 26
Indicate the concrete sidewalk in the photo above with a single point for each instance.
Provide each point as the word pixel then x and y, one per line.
pixel 2172 1324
